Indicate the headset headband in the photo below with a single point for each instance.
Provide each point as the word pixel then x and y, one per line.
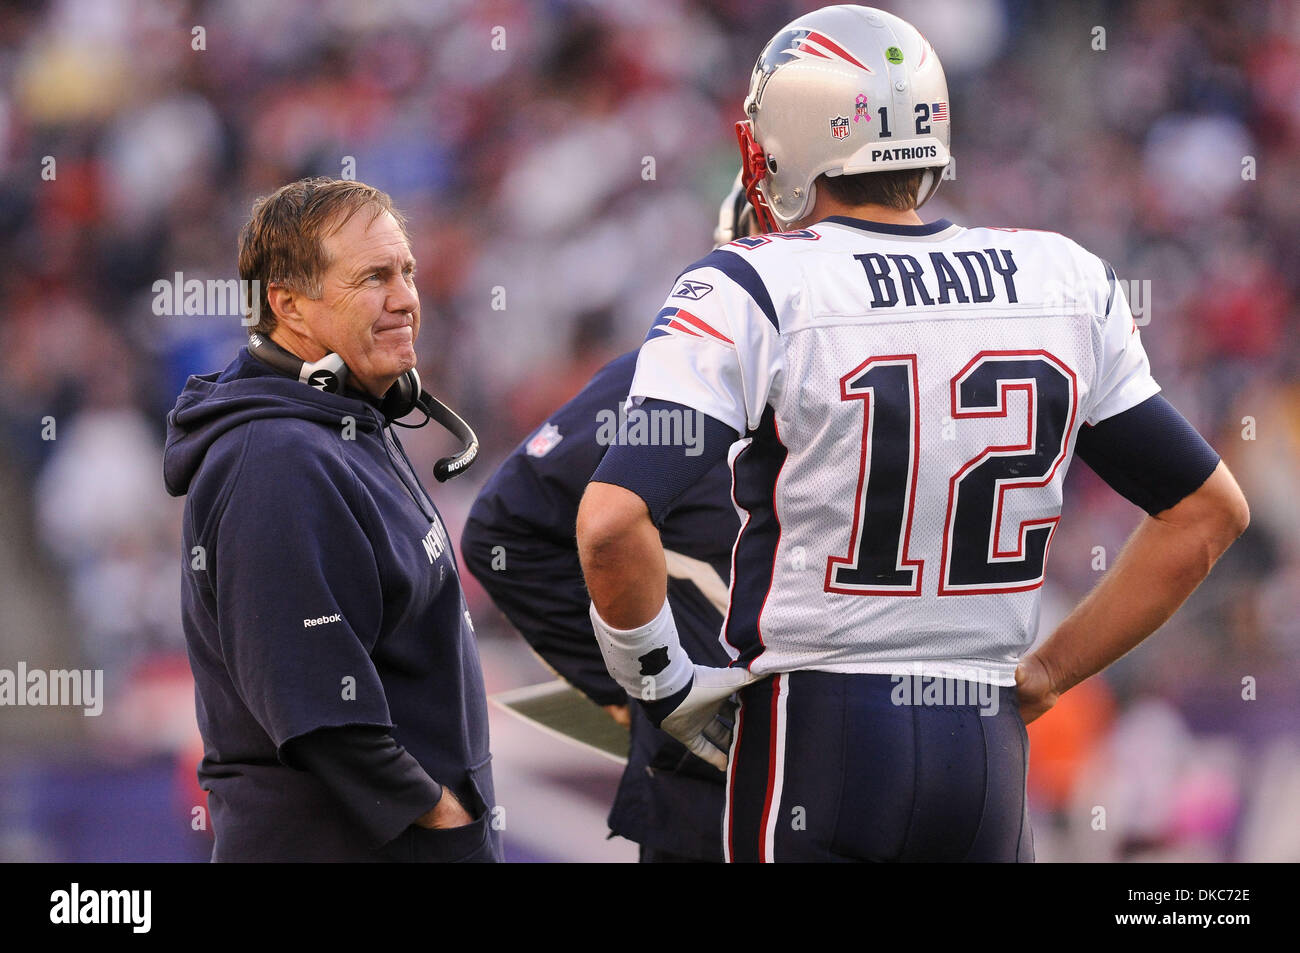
pixel 328 374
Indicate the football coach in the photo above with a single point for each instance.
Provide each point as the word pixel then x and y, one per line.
pixel 337 679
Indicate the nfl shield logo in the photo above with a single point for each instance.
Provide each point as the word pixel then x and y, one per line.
pixel 544 441
pixel 840 127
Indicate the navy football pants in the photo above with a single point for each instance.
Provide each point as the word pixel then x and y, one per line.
pixel 826 767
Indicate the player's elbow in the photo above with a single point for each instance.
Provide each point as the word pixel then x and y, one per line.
pixel 1218 510
pixel 1236 517
pixel 609 519
pixel 1230 513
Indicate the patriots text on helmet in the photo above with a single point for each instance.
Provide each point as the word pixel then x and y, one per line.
pixel 906 152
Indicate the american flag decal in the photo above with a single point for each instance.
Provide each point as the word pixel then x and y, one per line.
pixel 939 112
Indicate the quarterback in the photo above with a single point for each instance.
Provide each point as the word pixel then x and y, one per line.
pixel 905 399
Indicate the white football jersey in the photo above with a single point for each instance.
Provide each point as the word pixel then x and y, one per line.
pixel 908 397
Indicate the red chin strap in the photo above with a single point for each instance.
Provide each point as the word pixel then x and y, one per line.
pixel 753 168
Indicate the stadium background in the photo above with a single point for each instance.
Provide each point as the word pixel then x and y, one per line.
pixel 524 174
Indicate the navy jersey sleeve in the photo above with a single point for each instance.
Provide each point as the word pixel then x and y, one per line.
pixel 660 473
pixel 519 540
pixel 297 587
pixel 1149 454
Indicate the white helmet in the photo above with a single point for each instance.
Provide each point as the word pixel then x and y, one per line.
pixel 840 91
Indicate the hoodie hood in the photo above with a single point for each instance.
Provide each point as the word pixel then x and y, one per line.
pixel 212 404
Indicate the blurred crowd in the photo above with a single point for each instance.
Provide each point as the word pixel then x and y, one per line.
pixel 559 163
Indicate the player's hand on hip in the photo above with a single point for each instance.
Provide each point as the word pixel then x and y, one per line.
pixel 691 702
pixel 705 719
pixel 1034 688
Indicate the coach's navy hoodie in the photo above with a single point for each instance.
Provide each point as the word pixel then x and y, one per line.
pixel 320 589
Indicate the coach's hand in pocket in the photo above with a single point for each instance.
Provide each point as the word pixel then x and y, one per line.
pixel 448 812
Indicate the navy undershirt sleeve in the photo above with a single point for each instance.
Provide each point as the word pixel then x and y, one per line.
pixel 1149 454
pixel 661 470
pixel 378 782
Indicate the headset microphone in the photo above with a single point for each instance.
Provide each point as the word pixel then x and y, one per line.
pixel 459 462
pixel 406 395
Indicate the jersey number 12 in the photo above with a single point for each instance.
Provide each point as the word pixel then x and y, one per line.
pixel 975 558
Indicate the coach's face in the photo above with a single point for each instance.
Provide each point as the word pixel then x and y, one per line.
pixel 368 312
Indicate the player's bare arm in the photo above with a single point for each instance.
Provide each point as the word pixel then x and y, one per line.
pixel 623 562
pixel 622 556
pixel 1164 561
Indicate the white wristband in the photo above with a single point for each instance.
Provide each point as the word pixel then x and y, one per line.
pixel 649 662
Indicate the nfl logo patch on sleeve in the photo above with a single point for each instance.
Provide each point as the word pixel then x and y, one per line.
pixel 544 441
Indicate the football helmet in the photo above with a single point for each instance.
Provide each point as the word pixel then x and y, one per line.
pixel 841 91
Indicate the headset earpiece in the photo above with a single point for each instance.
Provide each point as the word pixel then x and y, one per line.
pixel 402 398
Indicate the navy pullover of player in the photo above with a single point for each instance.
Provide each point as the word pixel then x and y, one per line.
pixel 668 800
pixel 320 591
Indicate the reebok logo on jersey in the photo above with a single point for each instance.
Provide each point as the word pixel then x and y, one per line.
pixel 321 620
pixel 690 288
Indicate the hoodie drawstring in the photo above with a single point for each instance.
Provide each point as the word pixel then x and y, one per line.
pixel 412 485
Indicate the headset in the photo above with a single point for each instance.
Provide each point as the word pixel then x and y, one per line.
pixel 405 396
